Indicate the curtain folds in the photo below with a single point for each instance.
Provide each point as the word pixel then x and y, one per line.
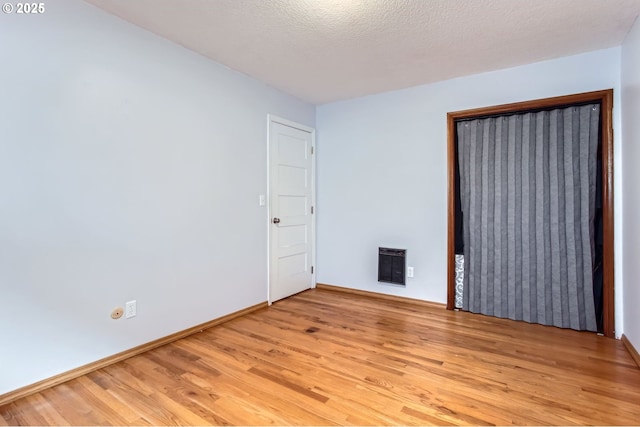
pixel 527 188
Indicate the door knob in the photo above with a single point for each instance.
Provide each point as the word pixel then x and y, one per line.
pixel 276 220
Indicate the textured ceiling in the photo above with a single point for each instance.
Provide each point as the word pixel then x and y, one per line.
pixel 327 50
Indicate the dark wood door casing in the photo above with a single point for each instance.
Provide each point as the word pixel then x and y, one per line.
pixel 605 98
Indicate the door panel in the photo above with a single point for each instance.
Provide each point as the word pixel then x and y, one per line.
pixel 291 195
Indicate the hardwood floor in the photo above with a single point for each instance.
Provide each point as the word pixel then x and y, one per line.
pixel 325 358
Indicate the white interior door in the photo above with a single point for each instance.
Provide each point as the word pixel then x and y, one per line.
pixel 291 196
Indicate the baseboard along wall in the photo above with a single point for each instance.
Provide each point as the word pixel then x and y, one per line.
pixel 118 357
pixel 631 349
pixel 379 295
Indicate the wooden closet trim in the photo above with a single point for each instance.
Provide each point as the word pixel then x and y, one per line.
pixel 605 98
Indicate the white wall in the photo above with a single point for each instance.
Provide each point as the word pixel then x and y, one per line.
pixel 382 168
pixel 631 178
pixel 130 168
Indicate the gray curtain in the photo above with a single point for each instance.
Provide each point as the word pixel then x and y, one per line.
pixel 527 186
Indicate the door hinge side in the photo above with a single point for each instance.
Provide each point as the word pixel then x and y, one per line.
pixel 312 149
pixel 311 210
pixel 312 269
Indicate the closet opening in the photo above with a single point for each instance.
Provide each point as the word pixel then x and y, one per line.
pixel 600 254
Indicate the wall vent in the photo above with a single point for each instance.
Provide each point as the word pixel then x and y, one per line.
pixel 392 265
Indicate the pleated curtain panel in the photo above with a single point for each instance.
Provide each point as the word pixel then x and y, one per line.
pixel 527 189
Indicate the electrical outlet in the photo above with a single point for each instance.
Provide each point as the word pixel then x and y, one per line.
pixel 409 271
pixel 130 309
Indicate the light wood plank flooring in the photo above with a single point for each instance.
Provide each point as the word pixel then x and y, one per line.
pixel 325 358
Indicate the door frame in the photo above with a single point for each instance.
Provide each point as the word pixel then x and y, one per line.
pixel 605 98
pixel 272 118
